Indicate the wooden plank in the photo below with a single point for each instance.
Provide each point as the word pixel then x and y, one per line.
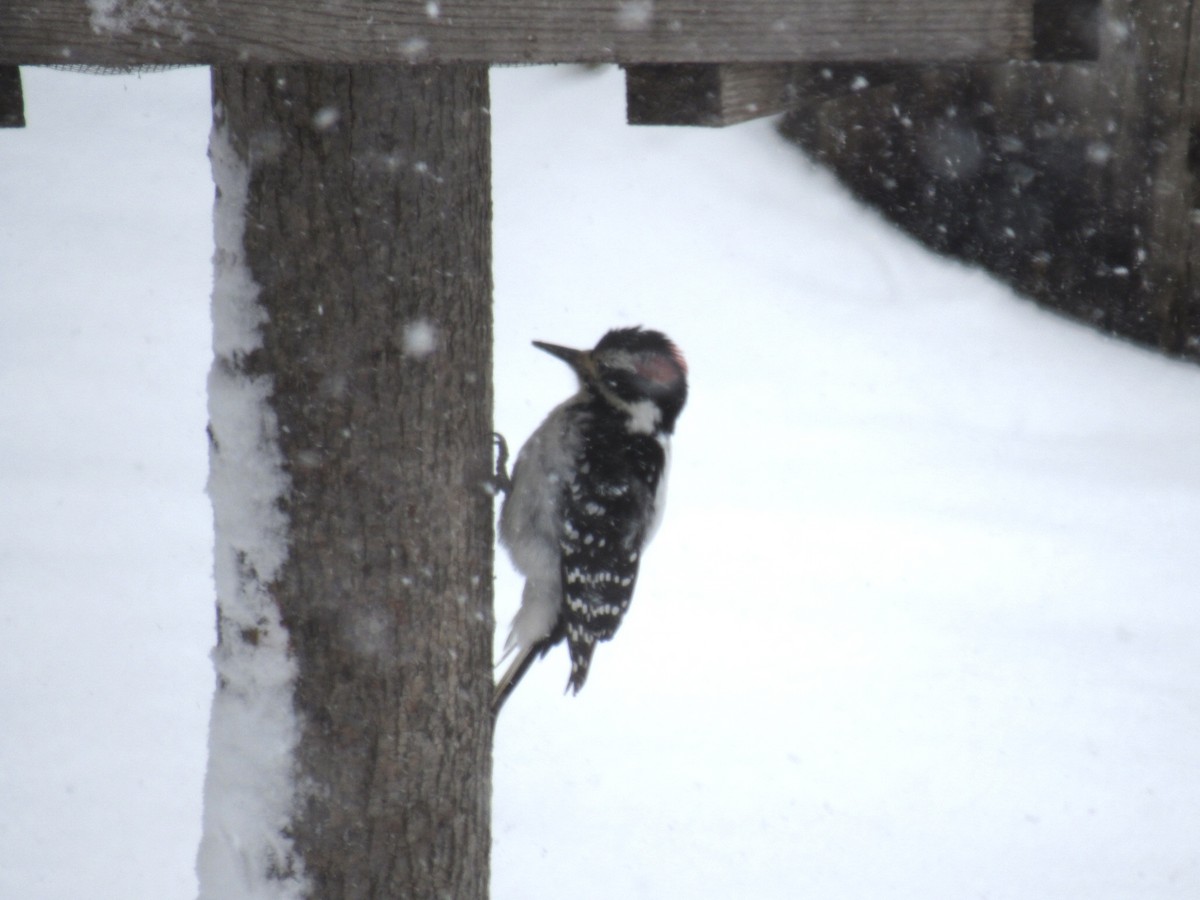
pixel 701 94
pixel 1186 316
pixel 1066 30
pixel 725 94
pixel 719 94
pixel 1174 226
pixel 12 103
pixel 208 32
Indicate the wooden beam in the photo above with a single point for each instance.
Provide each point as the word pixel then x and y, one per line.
pixel 719 95
pixel 1173 231
pixel 1066 30
pixel 213 32
pixel 12 103
pixel 700 94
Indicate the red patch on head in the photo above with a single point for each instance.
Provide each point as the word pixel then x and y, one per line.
pixel 662 369
pixel 677 355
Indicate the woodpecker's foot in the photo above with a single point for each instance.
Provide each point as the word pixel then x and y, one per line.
pixel 500 480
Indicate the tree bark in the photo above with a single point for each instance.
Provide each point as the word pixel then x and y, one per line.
pixel 367 231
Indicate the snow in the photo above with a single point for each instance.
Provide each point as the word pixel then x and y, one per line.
pixel 920 620
pixel 106 600
pixel 249 789
pixel 420 338
pixel 127 16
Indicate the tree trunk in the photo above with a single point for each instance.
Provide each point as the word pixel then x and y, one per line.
pixel 367 234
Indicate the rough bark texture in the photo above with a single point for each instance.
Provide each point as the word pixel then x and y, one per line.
pixel 368 230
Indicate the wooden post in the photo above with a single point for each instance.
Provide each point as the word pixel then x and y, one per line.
pixel 366 267
pixel 12 104
pixel 1172 100
pixel 708 95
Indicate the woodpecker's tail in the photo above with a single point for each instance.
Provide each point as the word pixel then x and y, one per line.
pixel 582 645
pixel 526 656
pixel 536 628
pixel 513 674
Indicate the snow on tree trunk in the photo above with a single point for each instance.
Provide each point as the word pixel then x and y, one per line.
pixel 350 399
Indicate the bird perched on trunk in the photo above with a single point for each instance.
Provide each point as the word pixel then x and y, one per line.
pixel 586 495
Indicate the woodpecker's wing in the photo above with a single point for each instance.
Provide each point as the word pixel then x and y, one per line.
pixel 607 509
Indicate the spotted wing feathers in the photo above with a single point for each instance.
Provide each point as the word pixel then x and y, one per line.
pixel 604 529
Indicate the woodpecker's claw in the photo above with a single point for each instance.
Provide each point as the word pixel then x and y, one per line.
pixel 500 480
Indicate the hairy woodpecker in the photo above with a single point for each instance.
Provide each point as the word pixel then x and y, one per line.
pixel 586 495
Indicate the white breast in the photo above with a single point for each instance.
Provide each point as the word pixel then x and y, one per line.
pixel 660 495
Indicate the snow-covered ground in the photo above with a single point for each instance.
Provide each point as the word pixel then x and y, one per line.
pixel 921 620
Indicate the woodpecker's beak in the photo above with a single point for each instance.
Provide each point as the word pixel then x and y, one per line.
pixel 576 359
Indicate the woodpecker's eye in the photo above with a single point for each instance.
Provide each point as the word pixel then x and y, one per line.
pixel 623 383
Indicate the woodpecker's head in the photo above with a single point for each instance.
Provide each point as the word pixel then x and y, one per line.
pixel 637 371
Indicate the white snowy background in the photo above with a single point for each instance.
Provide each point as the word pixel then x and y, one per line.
pixel 921 621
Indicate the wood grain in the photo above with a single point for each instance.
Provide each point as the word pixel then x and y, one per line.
pixel 705 94
pixel 716 95
pixel 210 32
